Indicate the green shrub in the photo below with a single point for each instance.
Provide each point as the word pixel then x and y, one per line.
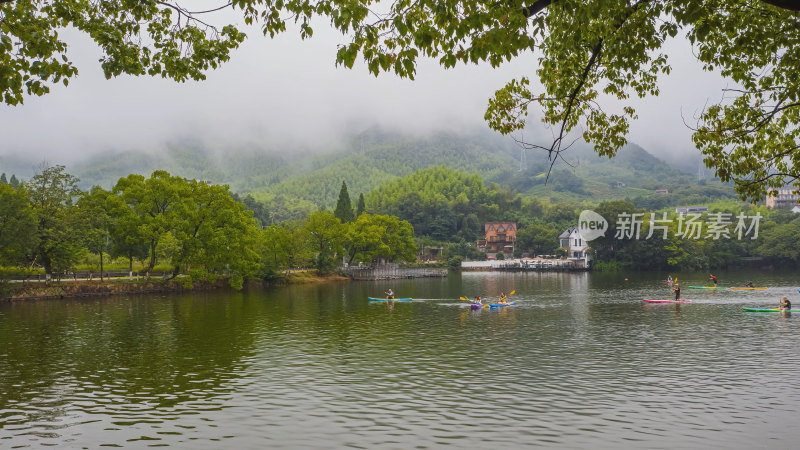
pixel 607 266
pixel 455 262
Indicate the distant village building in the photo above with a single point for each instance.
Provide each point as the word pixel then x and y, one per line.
pixel 620 184
pixel 500 237
pixel 796 209
pixel 691 209
pixel 575 245
pixel 662 191
pixel 783 198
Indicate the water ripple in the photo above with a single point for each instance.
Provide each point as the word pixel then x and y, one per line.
pixel 571 366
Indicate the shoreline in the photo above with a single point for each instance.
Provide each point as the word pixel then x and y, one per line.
pixel 56 290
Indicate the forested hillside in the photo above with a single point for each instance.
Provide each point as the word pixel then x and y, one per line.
pixel 296 181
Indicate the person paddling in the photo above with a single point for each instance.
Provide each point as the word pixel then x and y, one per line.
pixel 390 294
pixel 677 292
pixel 748 284
pixel 714 279
pixel 503 299
pixel 785 304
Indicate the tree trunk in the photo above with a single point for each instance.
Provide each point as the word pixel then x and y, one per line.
pixel 101 266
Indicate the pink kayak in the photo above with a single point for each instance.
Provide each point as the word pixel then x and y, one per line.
pixel 666 301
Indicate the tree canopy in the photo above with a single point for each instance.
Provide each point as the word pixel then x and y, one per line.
pixel 591 52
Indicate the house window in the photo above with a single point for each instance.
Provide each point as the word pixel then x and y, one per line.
pixel 565 242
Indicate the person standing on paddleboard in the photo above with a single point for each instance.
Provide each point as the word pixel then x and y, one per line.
pixel 677 292
pixel 714 279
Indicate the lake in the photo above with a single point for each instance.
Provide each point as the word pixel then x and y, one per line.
pixel 579 362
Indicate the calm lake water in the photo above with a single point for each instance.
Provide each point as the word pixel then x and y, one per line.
pixel 579 362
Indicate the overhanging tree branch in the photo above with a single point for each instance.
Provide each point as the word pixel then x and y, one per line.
pixel 791 5
pixel 536 7
pixel 556 146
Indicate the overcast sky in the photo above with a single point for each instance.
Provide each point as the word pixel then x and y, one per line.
pixel 287 90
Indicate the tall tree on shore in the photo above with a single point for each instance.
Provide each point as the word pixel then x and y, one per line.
pixel 93 213
pixel 51 194
pixel 344 208
pixel 154 204
pixel 16 223
pixel 373 237
pixel 127 239
pixel 210 228
pixel 326 235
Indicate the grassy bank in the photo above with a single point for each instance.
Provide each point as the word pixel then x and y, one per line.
pixel 85 288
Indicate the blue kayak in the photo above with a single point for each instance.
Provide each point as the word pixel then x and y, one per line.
pixel 500 305
pixel 373 299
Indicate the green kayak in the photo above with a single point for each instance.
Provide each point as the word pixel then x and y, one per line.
pixel 769 310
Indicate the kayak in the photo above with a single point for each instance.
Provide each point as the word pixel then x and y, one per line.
pixel 373 299
pixel 748 288
pixel 500 305
pixel 475 306
pixel 666 301
pixel 769 310
pixel 706 287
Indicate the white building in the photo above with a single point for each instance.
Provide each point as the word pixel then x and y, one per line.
pixel 780 198
pixel 576 246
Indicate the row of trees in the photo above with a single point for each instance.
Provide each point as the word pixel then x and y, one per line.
pixel 776 241
pixel 202 229
pixel 196 227
pixel 448 209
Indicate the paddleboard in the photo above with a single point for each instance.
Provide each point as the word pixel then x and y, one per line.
pixel 748 288
pixel 666 301
pixel 770 310
pixel 373 299
pixel 706 287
